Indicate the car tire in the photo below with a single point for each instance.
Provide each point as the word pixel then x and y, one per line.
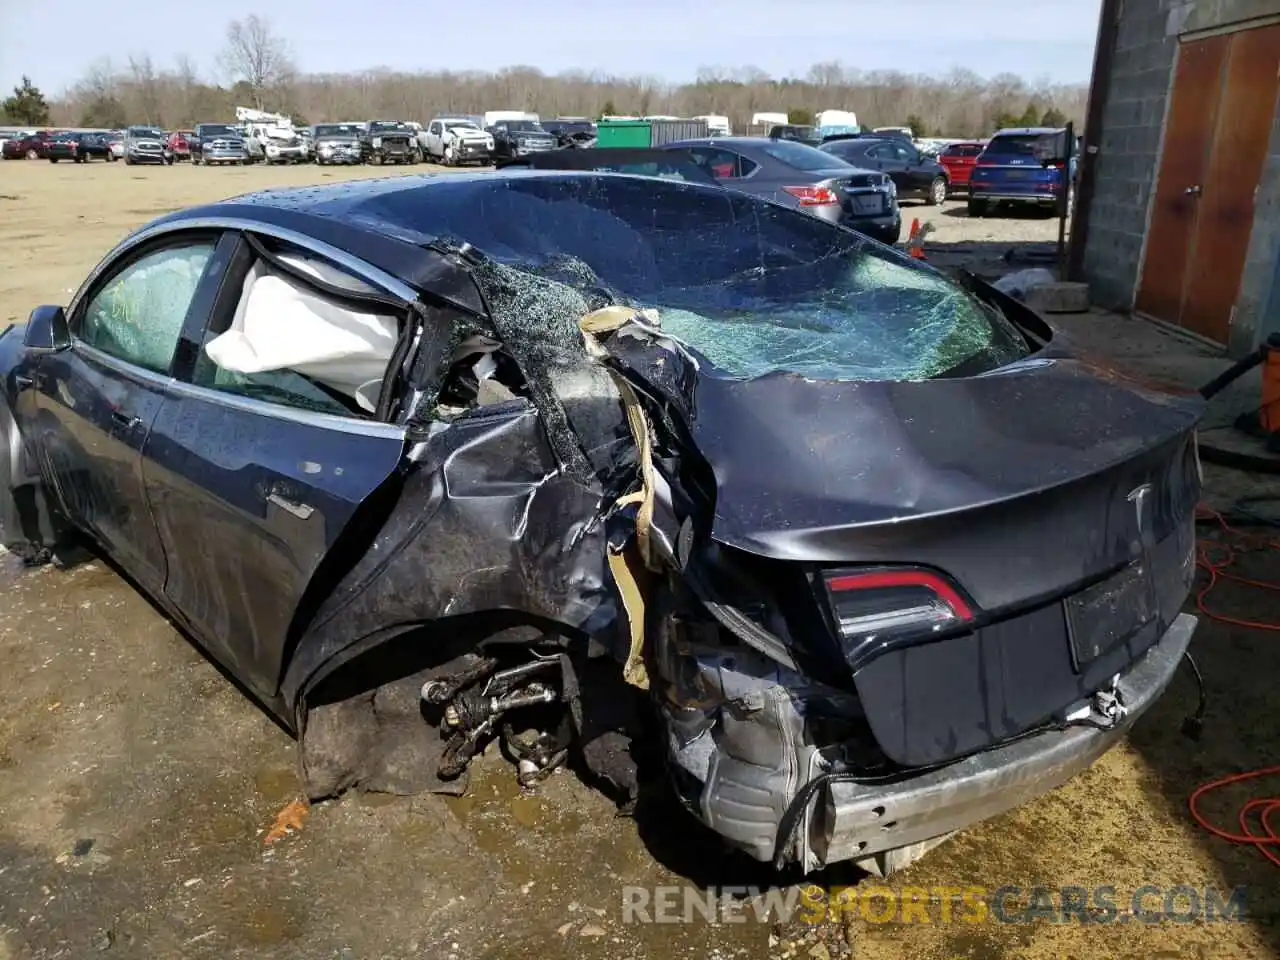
pixel 890 237
pixel 53 159
pixel 937 191
pixel 977 208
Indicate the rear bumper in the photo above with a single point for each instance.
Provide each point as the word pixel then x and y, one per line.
pixel 978 192
pixel 853 822
pixel 741 750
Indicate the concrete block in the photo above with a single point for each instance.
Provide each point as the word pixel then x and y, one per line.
pixel 1060 297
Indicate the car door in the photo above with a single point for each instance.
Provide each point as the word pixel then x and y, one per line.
pixel 97 400
pixel 253 479
pixel 920 172
pixel 435 139
pixel 890 158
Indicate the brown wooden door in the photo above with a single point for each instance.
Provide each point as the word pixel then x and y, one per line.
pixel 1185 158
pixel 1216 139
pixel 1240 145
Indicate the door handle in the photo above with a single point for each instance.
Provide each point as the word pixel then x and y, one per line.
pixel 1194 191
pixel 122 419
pixel 22 381
pixel 302 511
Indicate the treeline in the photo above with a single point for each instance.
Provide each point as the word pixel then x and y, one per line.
pixel 259 71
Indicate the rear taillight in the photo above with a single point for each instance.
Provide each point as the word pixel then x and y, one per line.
pixel 813 196
pixel 881 608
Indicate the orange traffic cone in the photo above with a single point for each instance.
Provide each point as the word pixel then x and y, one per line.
pixel 915 240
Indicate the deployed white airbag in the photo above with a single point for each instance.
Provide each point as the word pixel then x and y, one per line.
pixel 281 325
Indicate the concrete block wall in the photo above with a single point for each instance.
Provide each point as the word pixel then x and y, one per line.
pixel 1129 156
pixel 1129 150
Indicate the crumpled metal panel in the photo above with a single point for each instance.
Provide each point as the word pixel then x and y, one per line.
pixel 486 520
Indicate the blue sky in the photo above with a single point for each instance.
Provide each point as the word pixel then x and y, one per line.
pixel 54 40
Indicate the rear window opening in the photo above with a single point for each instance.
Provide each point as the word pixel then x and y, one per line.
pixel 1014 144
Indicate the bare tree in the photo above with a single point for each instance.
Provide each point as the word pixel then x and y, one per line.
pixel 146 87
pixel 256 57
pixel 957 104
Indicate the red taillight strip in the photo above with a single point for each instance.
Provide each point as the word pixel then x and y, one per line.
pixel 904 578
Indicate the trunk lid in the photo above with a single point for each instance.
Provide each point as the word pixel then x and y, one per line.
pixel 1043 451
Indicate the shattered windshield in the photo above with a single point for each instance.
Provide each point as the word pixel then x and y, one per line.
pixel 753 287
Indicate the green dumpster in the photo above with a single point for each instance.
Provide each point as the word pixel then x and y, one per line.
pixel 623 133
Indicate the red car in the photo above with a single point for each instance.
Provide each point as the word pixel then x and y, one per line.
pixel 34 147
pixel 959 160
pixel 180 144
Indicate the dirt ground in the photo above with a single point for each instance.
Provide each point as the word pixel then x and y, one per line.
pixel 136 782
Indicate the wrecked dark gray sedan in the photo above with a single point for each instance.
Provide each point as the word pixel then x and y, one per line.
pixel 591 463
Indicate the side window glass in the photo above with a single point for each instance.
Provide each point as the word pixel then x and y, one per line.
pixel 138 314
pixel 723 164
pixel 880 153
pixel 292 346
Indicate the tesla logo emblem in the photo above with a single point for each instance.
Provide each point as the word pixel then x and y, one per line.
pixel 1138 497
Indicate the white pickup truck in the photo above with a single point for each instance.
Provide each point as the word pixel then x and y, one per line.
pixel 456 140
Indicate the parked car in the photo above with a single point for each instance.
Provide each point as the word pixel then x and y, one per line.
pixel 390 141
pixel 146 145
pixel 457 140
pixel 571 131
pixel 63 145
pixel 338 143
pixel 916 176
pixel 638 161
pixel 1010 171
pixel 215 143
pixel 800 133
pixel 414 524
pixel 180 144
pixel 33 146
pixel 798 175
pixel 286 147
pixel 959 160
pixel 78 147
pixel 515 138
pixel 115 145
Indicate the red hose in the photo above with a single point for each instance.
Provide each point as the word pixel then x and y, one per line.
pixel 1216 557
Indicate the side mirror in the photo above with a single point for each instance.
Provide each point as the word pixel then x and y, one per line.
pixel 47 329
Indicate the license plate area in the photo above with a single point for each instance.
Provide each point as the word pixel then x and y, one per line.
pixel 867 204
pixel 1103 616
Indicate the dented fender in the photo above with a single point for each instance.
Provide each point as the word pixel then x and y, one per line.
pixel 486 521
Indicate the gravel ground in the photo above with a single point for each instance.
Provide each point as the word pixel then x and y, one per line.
pixel 136 782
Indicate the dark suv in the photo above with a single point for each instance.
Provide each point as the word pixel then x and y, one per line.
pixel 1022 167
pixel 390 141
pixel 516 138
